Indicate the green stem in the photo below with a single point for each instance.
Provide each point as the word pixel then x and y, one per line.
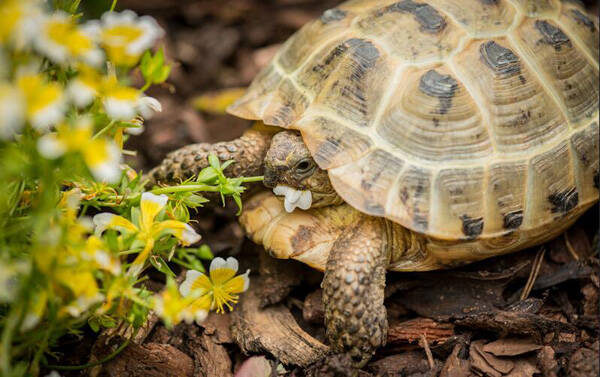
pixel 98 362
pixel 10 324
pixel 113 5
pixel 104 130
pixel 145 87
pixel 182 263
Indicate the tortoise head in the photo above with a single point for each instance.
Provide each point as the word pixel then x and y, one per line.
pixel 291 171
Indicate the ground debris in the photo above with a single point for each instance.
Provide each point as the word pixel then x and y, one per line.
pixel 412 330
pixel 274 330
pixel 511 346
pixel 413 363
pixel 150 360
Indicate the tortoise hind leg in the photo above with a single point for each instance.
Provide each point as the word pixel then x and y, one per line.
pixel 353 291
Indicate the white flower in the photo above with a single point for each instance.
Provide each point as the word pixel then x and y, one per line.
pixel 12 108
pixel 61 40
pixel 101 156
pixel 20 22
pixel 45 103
pixel 125 36
pixel 222 285
pixel 53 374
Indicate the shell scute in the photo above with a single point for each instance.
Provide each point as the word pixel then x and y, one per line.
pixel 411 31
pixel 431 116
pixel 571 76
pixel 366 183
pixel 521 113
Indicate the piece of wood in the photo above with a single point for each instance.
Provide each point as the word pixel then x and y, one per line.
pixel 150 360
pixel 274 330
pixel 412 330
pixel 511 347
pixel 455 366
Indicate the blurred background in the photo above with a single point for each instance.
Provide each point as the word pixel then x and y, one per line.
pixel 214 44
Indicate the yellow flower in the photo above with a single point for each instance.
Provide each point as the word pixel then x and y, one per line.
pixel 102 156
pixel 147 229
pixel 20 21
pixel 12 110
pixel 125 36
pixel 45 104
pixel 222 286
pixel 172 307
pixel 62 41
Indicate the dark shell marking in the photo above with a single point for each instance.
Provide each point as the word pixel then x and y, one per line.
pixel 331 15
pixel 429 18
pixel 583 19
pixel 564 201
pixel 500 59
pixel 441 86
pixel 365 56
pixel 551 34
pixel 513 220
pixel 471 227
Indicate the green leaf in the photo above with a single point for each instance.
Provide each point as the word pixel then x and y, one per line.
pixel 204 252
pixel 214 162
pixel 153 68
pixel 159 263
pixel 194 200
pixel 208 175
pixel 94 324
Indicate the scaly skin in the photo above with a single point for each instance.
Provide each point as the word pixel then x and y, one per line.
pixel 248 152
pixel 353 291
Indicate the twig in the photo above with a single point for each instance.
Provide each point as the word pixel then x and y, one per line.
pixel 425 345
pixel 570 247
pixel 535 270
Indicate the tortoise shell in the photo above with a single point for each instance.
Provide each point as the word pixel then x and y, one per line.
pixel 458 119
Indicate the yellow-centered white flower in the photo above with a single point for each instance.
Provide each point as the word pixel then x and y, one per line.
pixel 125 36
pixel 45 102
pixel 102 156
pixel 63 41
pixel 218 290
pixel 294 198
pixel 20 21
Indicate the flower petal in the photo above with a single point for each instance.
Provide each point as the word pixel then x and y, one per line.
pixel 106 220
pixel 238 284
pixel 186 287
pixel 150 206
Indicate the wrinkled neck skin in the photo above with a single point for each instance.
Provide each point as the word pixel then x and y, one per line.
pixel 294 176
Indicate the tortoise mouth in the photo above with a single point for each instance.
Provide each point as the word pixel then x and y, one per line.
pixel 294 198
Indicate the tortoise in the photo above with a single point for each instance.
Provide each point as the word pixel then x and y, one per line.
pixel 412 136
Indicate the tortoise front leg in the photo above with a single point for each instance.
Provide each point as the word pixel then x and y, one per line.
pixel 353 291
pixel 248 152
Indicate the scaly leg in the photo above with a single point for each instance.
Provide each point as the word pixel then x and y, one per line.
pixel 248 152
pixel 353 291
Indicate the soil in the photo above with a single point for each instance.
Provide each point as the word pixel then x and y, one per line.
pixel 479 320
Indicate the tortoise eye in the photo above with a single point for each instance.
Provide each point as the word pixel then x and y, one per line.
pixel 304 166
